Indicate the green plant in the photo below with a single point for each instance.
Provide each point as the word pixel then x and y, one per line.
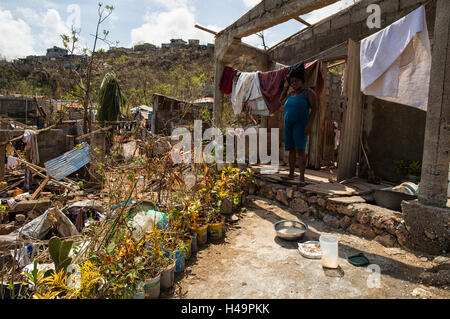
pixel 59 252
pixel 111 99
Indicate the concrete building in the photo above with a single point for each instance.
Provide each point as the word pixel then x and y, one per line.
pixel 56 52
pixel 387 131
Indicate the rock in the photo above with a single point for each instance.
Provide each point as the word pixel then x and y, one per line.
pixel 290 193
pixel 345 222
pixel 361 230
pixel 282 197
pixel 441 260
pixel 331 207
pixel 386 240
pixel 312 199
pixel 6 229
pixel 384 222
pixel 311 210
pixel 296 194
pixel 226 207
pixel 331 221
pixel 378 231
pixel 346 210
pixel 362 217
pixel 402 234
pixel 321 202
pixel 299 205
pixel 20 218
pixel 347 200
pixel 424 259
pixel 232 218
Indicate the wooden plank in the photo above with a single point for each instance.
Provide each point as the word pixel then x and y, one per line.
pixel 303 21
pixel 39 189
pixel 351 124
pixel 205 29
pixel 321 110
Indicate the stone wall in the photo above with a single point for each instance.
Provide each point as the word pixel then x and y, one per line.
pixel 353 214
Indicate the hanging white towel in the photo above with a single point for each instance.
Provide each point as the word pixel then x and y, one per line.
pixel 396 61
pixel 246 88
pixel 30 139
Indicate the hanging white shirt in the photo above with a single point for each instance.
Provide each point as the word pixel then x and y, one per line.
pixel 396 61
pixel 246 88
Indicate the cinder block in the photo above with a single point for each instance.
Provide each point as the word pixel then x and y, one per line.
pixel 340 21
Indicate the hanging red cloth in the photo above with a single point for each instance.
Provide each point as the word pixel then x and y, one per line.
pixel 226 81
pixel 271 84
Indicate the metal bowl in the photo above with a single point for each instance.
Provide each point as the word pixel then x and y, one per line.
pixel 290 229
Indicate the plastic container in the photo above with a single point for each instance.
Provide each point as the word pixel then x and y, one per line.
pixel 215 231
pixel 152 287
pixel 329 247
pixel 202 234
pixel 179 260
pixel 168 276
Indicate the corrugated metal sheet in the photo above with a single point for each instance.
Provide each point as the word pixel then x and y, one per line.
pixel 64 165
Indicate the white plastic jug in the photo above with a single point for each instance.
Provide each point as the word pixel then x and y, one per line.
pixel 329 247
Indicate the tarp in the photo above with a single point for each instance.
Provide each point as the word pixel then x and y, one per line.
pixel 39 227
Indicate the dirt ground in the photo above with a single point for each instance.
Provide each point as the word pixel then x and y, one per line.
pixel 252 262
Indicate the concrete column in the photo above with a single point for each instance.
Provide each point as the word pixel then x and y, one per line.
pixel 218 95
pixel 433 184
pixel 98 152
pixel 427 220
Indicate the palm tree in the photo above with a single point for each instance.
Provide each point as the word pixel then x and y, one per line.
pixel 111 99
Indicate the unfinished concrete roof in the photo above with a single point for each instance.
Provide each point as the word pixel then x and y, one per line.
pixel 266 14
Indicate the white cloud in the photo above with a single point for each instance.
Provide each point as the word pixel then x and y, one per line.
pixel 251 3
pixel 176 23
pixel 53 26
pixel 16 40
pixel 320 14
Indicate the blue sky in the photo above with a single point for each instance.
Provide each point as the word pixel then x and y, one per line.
pixel 29 27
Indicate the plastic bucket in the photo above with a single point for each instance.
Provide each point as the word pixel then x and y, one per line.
pixel 152 287
pixel 215 231
pixel 202 234
pixel 194 247
pixel 329 247
pixel 140 292
pixel 188 242
pixel 179 261
pixel 168 276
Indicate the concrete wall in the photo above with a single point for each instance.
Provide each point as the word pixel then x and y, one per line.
pixel 350 23
pixel 52 144
pixel 392 132
pixel 19 109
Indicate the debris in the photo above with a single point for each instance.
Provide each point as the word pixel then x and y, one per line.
pixel 52 220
